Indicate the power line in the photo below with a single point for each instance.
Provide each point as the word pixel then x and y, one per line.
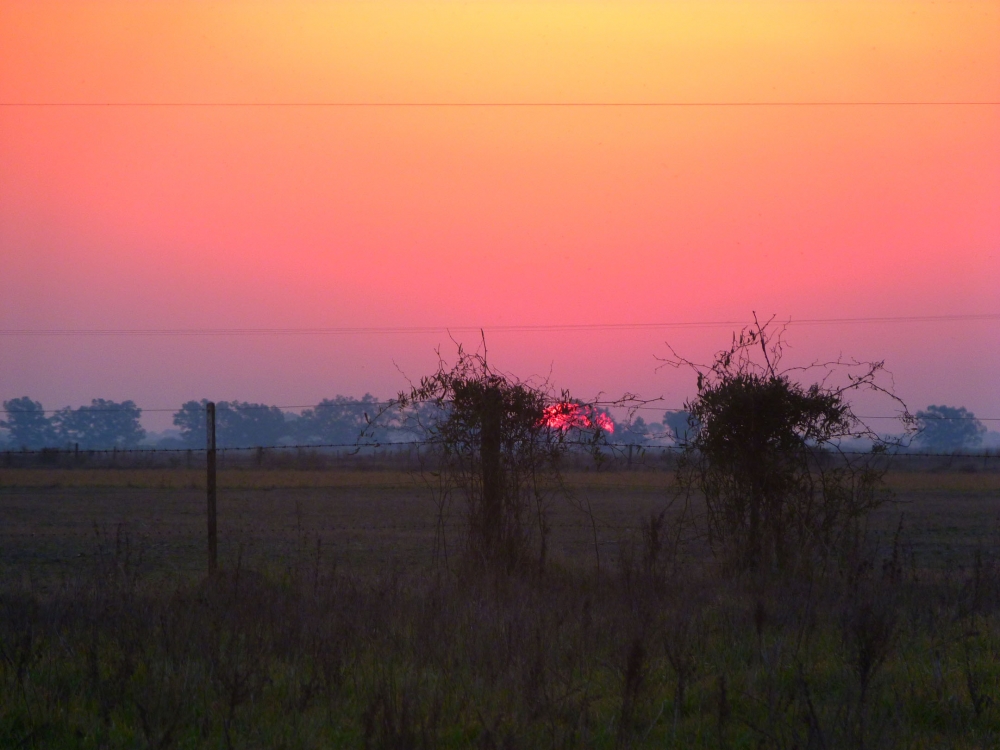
pixel 88 410
pixel 498 104
pixel 516 328
pixel 251 407
pixel 859 416
pixel 362 404
pixel 174 410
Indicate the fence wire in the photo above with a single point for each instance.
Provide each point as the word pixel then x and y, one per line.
pixel 639 448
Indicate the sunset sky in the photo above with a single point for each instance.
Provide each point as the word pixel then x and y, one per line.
pixel 213 165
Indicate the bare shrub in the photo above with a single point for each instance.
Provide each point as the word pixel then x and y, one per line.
pixel 764 452
pixel 491 443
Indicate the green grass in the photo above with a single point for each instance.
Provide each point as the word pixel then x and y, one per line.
pixel 307 657
pixel 330 625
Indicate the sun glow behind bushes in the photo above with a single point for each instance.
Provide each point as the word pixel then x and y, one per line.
pixel 568 414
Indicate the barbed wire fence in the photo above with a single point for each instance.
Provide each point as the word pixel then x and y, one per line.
pixel 356 448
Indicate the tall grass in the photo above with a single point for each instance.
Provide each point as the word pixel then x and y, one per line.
pixel 657 650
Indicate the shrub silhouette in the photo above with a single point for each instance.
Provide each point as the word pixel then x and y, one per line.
pixel 492 446
pixel 765 452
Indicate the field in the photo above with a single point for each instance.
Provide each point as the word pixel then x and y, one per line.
pixel 333 623
pixel 371 519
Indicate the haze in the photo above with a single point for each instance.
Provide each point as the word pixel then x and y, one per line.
pixel 221 190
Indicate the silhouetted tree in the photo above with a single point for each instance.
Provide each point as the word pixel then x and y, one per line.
pixel 341 419
pixel 494 444
pixel 103 424
pixel 27 425
pixel 948 428
pixel 190 420
pixel 415 420
pixel 242 424
pixel 237 424
pixel 633 432
pixel 760 453
pixel 679 424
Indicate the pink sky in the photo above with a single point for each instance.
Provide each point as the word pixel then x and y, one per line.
pixel 317 216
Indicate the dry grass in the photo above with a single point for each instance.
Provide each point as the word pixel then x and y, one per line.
pixel 956 481
pixel 332 626
pixel 642 655
pixel 184 479
pixel 372 518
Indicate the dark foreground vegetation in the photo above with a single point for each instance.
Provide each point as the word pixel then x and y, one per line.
pixel 754 606
pixel 873 652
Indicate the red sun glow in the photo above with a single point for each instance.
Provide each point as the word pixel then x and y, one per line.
pixel 566 414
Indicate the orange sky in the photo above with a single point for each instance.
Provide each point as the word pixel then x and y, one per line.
pixel 217 216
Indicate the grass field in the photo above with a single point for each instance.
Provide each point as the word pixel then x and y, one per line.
pixel 331 626
pixel 369 519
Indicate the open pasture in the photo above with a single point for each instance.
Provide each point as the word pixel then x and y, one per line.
pixel 373 519
pixel 328 626
pixel 365 520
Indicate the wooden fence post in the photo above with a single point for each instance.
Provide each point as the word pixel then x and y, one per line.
pixel 213 549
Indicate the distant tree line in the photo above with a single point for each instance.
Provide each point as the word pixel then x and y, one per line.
pixel 109 424
pixel 103 424
pixel 341 420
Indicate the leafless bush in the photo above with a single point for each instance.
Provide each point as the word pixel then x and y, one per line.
pixel 764 454
pixel 490 443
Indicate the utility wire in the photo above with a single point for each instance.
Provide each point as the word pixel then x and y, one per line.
pixel 526 328
pixel 859 416
pixel 359 405
pixel 495 104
